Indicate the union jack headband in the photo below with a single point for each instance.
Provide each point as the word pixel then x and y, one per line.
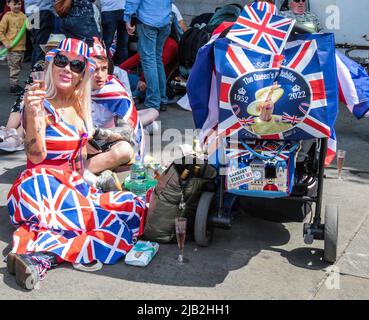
pixel 73 46
pixel 98 49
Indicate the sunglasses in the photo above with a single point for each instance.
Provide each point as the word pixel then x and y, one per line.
pixel 297 1
pixel 77 66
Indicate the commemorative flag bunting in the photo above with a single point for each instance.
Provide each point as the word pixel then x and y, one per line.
pixel 262 31
pixel 303 84
pixel 313 60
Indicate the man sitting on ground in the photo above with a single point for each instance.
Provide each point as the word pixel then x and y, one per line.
pixel 119 130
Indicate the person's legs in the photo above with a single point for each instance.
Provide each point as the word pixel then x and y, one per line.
pixel 109 26
pixel 15 66
pixel 41 35
pixel 121 53
pixel 14 121
pixel 148 116
pixel 147 38
pixel 119 154
pixel 31 268
pixel 80 28
pixel 161 38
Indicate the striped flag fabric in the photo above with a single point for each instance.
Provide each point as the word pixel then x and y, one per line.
pixel 265 6
pixel 353 83
pixel 115 98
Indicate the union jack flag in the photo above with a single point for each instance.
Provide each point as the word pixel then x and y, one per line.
pixel 115 98
pixel 265 6
pixel 262 31
pixel 290 119
pixel 236 61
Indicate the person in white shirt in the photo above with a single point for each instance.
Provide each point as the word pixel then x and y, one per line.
pixel 179 17
pixel 112 12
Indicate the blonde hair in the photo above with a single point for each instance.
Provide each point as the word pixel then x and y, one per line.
pixel 82 93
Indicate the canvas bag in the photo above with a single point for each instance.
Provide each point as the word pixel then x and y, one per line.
pixel 166 198
pixel 261 168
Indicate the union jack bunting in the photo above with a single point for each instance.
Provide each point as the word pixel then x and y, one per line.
pixel 115 98
pixel 262 31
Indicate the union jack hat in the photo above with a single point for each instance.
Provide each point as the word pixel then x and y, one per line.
pixel 73 46
pixel 98 49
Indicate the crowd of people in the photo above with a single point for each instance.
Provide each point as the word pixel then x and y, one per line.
pixel 68 204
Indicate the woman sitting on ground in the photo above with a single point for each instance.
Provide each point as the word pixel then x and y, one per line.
pixel 58 215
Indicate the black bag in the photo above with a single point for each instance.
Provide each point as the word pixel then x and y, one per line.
pixel 167 197
pixel 192 40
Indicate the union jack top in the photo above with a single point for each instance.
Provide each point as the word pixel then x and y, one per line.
pixel 115 98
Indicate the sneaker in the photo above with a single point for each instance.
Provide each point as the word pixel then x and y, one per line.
pixel 30 269
pixel 108 181
pixel 12 142
pixel 16 89
pixel 164 107
pixel 3 133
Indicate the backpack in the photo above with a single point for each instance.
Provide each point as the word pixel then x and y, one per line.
pixel 227 13
pixel 191 41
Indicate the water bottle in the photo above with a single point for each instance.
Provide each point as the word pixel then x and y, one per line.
pixel 138 178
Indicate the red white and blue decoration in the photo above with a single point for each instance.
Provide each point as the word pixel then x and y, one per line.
pixel 300 112
pixel 203 89
pixel 354 85
pixel 76 46
pixel 265 6
pixel 262 31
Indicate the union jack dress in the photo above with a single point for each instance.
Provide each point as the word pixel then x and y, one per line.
pixel 56 211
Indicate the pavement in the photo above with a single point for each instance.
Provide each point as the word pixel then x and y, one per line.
pixel 256 259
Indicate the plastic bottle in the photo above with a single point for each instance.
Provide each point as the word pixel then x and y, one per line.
pixel 138 178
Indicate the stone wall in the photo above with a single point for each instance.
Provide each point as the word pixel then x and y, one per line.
pixel 191 8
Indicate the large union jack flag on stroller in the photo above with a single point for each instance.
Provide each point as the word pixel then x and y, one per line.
pixel 300 103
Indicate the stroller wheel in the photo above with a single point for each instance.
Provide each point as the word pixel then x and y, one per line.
pixel 330 233
pixel 203 231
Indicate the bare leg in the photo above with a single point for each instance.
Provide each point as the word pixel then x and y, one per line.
pixel 148 116
pixel 118 155
pixel 14 120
